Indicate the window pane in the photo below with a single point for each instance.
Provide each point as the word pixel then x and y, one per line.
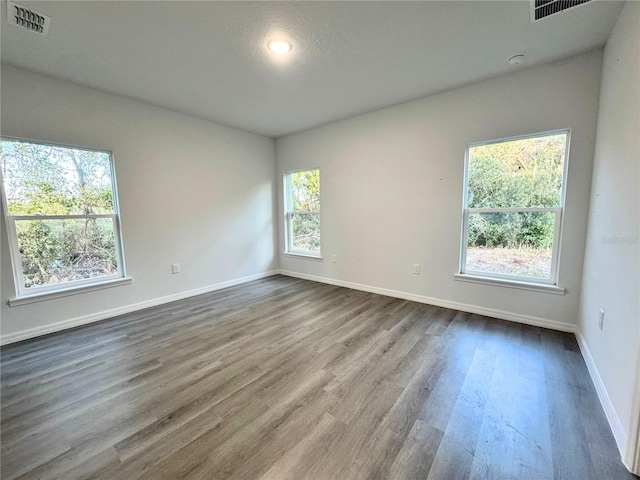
pixel 511 243
pixel 59 251
pixel 305 191
pixel 306 232
pixel 517 174
pixel 52 180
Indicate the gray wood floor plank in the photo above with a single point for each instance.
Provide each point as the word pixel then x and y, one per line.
pixel 417 453
pixel 285 379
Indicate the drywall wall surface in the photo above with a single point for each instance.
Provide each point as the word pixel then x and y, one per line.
pixel 392 181
pixel 191 192
pixel 612 259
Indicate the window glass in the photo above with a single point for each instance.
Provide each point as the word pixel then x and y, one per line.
pixel 517 173
pixel 303 212
pixel 52 180
pixel 513 207
pixel 62 215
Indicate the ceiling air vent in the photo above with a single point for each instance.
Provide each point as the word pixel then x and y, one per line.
pixel 544 8
pixel 27 18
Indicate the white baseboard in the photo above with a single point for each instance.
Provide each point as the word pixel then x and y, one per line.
pixel 614 422
pixel 631 459
pixel 489 312
pixel 95 317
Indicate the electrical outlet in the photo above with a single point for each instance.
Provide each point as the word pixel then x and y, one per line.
pixel 334 258
pixel 416 269
pixel 175 268
pixel 601 319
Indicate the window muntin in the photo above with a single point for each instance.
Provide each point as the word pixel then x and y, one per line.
pixel 302 212
pixel 62 216
pixel 513 206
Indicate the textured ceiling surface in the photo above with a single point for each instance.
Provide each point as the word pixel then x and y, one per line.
pixel 209 59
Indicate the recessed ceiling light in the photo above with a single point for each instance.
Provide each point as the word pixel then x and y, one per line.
pixel 280 46
pixel 516 59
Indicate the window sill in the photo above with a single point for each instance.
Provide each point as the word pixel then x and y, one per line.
pixel 43 296
pixel 303 255
pixel 500 282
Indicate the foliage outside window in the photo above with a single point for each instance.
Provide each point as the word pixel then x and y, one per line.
pixel 302 212
pixel 61 214
pixel 514 196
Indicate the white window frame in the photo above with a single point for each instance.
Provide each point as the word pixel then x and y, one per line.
pixel 23 292
pixel 498 278
pixel 289 213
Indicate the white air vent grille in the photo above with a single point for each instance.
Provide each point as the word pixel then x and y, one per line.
pixel 544 8
pixel 27 18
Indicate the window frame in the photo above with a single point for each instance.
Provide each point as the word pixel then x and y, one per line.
pixel 23 292
pixel 289 213
pixel 500 278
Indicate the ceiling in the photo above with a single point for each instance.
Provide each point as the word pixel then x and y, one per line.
pixel 209 59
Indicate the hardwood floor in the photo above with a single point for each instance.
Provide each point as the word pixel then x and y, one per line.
pixel 288 379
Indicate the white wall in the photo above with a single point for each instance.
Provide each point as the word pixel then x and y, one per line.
pixel 190 191
pixel 612 257
pixel 391 187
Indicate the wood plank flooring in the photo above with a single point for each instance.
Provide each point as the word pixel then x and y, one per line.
pixel 288 379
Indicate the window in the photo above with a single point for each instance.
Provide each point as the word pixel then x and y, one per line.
pixel 61 213
pixel 513 206
pixel 302 212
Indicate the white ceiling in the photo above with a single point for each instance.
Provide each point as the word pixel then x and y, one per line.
pixel 209 59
